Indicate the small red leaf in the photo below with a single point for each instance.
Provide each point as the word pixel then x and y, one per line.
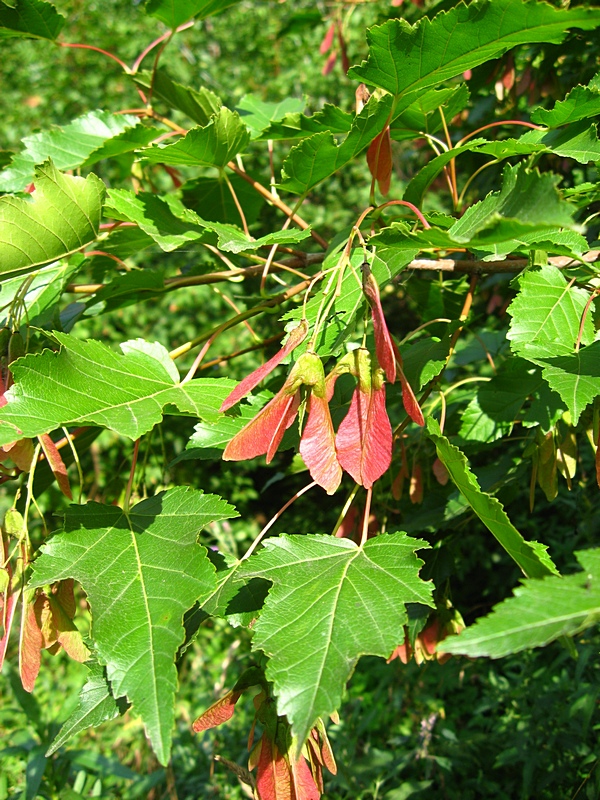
pixel 343 50
pixel 273 774
pixel 410 402
pixel 30 648
pixel 251 381
pixel 415 492
pixel 442 475
pixel 264 433
pixel 317 445
pixel 384 347
pixel 327 39
pixel 329 64
pixel 379 159
pixel 56 464
pixel 219 712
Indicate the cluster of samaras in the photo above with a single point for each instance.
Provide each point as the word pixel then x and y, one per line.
pixel 362 445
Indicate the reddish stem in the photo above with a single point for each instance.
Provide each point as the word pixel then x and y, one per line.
pixel 160 39
pixel 98 50
pixel 496 125
pixel 412 207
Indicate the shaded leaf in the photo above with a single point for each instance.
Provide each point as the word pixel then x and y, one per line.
pixel 141 571
pixel 96 705
pixel 353 600
pixel 492 411
pixel 198 105
pixel 539 612
pixel 174 14
pixel 582 102
pixel 576 377
pixel 531 557
pixel 91 384
pixel 61 216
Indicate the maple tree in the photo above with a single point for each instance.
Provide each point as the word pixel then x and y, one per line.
pixel 385 380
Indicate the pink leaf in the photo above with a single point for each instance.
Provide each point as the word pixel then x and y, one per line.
pixel 317 445
pixel 327 39
pixel 251 381
pixel 364 439
pixel 384 346
pixel 329 64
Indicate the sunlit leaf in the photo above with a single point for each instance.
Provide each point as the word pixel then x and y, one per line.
pixel 405 59
pixel 147 561
pixel 92 384
pixel 353 600
pixel 539 612
pixel 531 557
pixel 60 217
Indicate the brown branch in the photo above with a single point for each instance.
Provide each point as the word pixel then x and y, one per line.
pixel 508 265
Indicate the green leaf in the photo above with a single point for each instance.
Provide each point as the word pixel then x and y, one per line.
pixel 531 557
pixel 295 125
pixel 212 200
pixel 62 216
pixel 164 218
pixel 578 141
pixel 331 602
pixel 31 19
pixel 44 289
pixel 407 59
pixel 546 314
pixel 83 141
pixel 539 612
pixel 87 383
pixel 318 156
pixel 492 412
pixel 423 114
pixel 575 377
pixel 259 114
pixel 213 145
pixel 551 240
pixel 175 12
pixel 96 705
pixel 582 102
pixel 198 105
pixel 527 199
pixel 141 570
pixel 172 225
pixel 527 202
pixel 341 318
